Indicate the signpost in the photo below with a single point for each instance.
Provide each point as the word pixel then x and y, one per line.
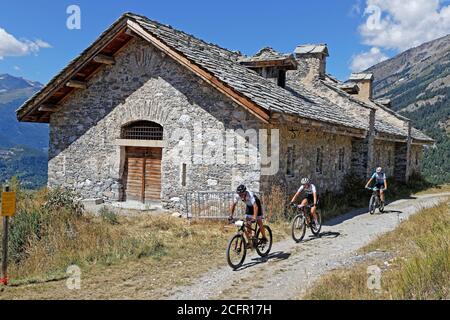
pixel 8 209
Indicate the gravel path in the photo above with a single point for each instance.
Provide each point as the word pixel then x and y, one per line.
pixel 292 268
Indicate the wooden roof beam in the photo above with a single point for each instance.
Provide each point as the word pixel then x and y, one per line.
pixel 104 59
pixel 48 108
pixel 76 84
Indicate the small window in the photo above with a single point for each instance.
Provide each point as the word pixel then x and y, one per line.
pixel 417 158
pixel 341 165
pixel 142 130
pixel 389 158
pixel 290 161
pixel 319 160
pixel 282 78
pixel 183 174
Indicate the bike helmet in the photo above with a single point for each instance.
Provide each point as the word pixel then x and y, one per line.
pixel 305 181
pixel 241 189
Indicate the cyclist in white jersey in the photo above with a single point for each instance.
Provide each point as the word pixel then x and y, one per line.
pixel 253 210
pixel 310 199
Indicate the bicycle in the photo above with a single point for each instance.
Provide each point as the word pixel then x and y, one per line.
pixel 375 201
pixel 303 220
pixel 237 245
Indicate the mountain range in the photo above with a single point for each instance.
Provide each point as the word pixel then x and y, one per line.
pixel 417 82
pixel 23 146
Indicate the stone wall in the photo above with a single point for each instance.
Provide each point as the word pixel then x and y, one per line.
pixel 400 164
pixel 384 156
pixel 416 158
pixel 144 84
pixel 303 145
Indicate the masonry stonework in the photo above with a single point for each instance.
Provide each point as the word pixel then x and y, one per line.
pixel 144 84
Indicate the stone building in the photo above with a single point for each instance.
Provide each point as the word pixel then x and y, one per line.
pixel 149 113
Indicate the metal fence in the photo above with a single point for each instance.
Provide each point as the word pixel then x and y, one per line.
pixel 212 205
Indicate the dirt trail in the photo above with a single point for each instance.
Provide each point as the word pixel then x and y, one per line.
pixel 292 268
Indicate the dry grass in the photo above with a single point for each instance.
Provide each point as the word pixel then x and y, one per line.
pixel 117 254
pixel 436 189
pixel 420 269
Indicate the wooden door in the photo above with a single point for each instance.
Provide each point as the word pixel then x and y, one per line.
pixel 143 173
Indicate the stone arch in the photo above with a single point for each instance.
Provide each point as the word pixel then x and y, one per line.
pixel 142 130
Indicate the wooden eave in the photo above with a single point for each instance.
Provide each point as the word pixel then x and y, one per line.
pixel 79 71
pixel 108 44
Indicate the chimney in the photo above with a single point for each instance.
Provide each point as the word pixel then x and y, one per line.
pixel 365 83
pixel 312 59
pixel 271 65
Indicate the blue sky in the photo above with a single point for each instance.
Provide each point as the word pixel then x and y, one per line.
pixel 47 45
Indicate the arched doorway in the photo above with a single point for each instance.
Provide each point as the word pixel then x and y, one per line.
pixel 142 171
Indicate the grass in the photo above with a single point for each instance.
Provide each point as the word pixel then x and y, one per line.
pixel 113 251
pixel 419 269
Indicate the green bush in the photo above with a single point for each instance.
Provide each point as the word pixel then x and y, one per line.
pixel 31 221
pixel 62 198
pixel 108 215
pixel 26 225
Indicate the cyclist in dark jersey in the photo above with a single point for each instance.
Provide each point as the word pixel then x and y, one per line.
pixel 253 211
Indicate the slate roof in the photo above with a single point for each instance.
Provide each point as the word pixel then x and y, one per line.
pixel 381 125
pixel 312 48
pixel 224 65
pixel 266 54
pixel 361 76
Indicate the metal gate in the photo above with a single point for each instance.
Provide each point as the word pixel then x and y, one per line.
pixel 213 205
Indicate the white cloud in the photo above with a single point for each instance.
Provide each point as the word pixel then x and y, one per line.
pixel 10 46
pixel 364 60
pixel 400 25
pixel 17 68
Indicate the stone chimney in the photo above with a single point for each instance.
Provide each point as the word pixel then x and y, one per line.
pixel 312 60
pixel 365 83
pixel 271 65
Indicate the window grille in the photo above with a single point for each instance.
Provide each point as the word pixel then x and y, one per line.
pixel 142 130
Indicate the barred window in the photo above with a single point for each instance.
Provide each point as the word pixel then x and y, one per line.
pixel 319 160
pixel 290 161
pixel 341 165
pixel 142 130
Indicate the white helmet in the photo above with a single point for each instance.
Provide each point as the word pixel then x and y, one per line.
pixel 379 169
pixel 305 181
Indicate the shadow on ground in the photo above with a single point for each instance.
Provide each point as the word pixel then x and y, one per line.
pixel 328 234
pixel 280 255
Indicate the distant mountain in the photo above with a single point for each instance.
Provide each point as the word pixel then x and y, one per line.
pixel 23 146
pixel 13 92
pixel 418 83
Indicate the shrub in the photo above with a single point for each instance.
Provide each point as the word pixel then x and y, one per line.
pixel 108 215
pixel 27 225
pixel 61 198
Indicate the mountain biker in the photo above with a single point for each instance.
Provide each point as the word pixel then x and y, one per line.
pixel 253 211
pixel 311 197
pixel 380 182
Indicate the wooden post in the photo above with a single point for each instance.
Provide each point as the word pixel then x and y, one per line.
pixel 4 278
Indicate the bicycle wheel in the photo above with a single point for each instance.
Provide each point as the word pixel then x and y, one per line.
pixel 381 208
pixel 372 205
pixel 315 229
pixel 298 228
pixel 263 248
pixel 236 251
